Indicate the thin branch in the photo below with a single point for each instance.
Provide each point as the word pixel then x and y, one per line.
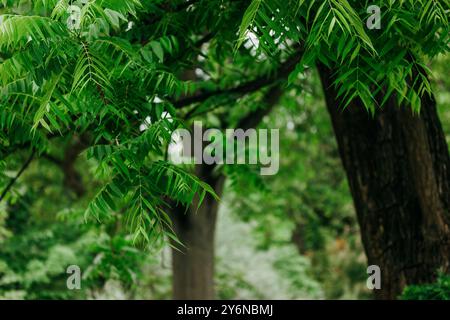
pixel 251 86
pixel 21 171
pixel 254 118
pixel 52 159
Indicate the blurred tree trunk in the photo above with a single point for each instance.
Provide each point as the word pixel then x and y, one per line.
pixel 193 264
pixel 398 168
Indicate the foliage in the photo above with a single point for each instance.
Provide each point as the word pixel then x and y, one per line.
pixel 367 62
pixel 42 237
pixel 440 290
pixel 244 271
pixel 308 200
pixel 59 81
pixel 115 84
pixel 441 85
pixel 100 77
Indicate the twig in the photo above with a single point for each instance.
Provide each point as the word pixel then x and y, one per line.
pixel 21 171
pixel 248 87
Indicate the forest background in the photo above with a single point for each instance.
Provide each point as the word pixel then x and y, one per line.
pixel 90 97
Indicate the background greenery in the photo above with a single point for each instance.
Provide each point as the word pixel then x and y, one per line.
pixel 293 235
pixel 42 229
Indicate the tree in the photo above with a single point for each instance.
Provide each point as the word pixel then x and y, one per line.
pixel 62 80
pixel 193 263
pixel 397 166
pixel 308 202
pixel 116 73
pixel 399 187
pixel 105 73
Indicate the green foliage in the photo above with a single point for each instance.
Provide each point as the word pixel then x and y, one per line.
pixel 91 80
pixel 441 86
pixel 131 72
pixel 367 62
pixel 308 203
pixel 440 290
pixel 41 237
pixel 101 77
pixel 244 271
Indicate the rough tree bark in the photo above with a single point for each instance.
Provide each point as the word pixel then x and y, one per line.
pixel 398 168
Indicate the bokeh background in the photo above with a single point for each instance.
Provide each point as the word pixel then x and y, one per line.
pixel 302 242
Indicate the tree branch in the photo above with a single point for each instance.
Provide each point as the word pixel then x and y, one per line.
pixel 251 86
pixel 13 180
pixel 254 118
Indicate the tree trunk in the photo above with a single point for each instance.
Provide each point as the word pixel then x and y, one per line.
pixel 398 168
pixel 193 264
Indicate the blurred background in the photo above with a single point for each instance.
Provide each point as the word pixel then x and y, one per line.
pixel 302 242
